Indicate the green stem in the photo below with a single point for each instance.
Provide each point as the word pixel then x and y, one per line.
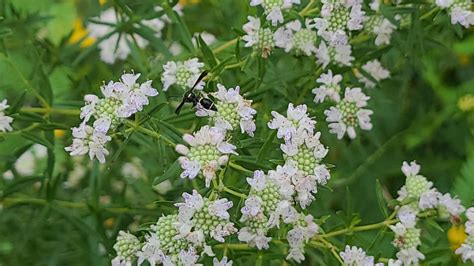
pixel 46 110
pixel 225 46
pixel 9 202
pixel 233 192
pixel 240 168
pixel 307 9
pixel 149 132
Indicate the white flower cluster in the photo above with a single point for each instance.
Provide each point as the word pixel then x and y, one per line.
pixel 327 38
pixel 258 37
pixel 274 8
pixel 467 248
pixel 126 246
pixel 379 25
pixel 293 37
pixel 233 111
pixel 267 205
pixel 114 45
pixel 121 100
pixel 375 69
pixel 303 153
pixel 418 194
pixel 183 74
pixel 348 113
pixel 459 10
pixel 355 256
pixel 208 151
pixel 5 121
pixel 175 239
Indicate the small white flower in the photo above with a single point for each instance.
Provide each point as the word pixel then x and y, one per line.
pixel 200 217
pixel 293 37
pixel 5 121
pixel 297 119
pixel 406 235
pixel 254 237
pixel 339 16
pixel 383 32
pixel 330 87
pixel 115 46
pixel 261 39
pixel 410 256
pixel 88 140
pixel 466 250
pixel 429 199
pixel 349 114
pixel 133 169
pixel 189 257
pixel 444 3
pixel 150 251
pixel 411 169
pixel 184 74
pixel 274 8
pixel 407 216
pixel 355 256
pixel 451 205
pixel 304 153
pixel 252 206
pixel 303 230
pixel 461 14
pixel 207 152
pixel 338 53
pixel 135 94
pixel 126 247
pixel 233 111
pixel 224 262
pixel 374 69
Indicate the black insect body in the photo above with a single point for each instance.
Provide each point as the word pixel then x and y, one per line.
pixel 198 101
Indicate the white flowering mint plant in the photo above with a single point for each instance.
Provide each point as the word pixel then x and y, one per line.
pixel 256 132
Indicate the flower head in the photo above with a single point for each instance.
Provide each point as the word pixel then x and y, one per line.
pixel 184 74
pixel 5 121
pixel 294 37
pixel 338 17
pixel 337 51
pixel 200 217
pixel 126 246
pixel 375 70
pixel 274 8
pixel 115 45
pixel 207 151
pixel 349 114
pixel 233 111
pixel 355 256
pixel 330 87
pixel 261 39
pixel 297 119
pixel 88 140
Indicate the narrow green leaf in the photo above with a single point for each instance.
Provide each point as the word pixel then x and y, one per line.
pixel 36 138
pixel 266 146
pixel 380 198
pixel 207 53
pixel 172 172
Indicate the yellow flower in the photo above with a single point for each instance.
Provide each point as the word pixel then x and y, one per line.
pixel 80 34
pixel 185 2
pixel 456 236
pixel 59 133
pixel 466 103
pixel 464 59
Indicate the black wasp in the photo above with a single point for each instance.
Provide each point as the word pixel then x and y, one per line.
pixel 190 97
